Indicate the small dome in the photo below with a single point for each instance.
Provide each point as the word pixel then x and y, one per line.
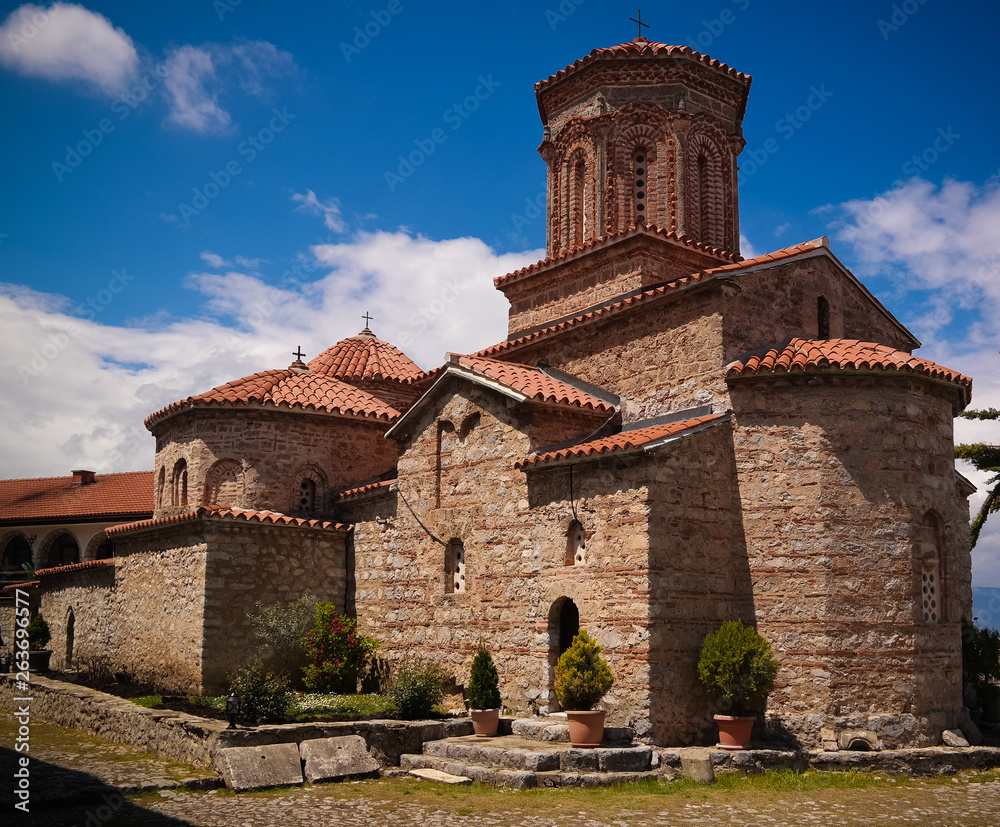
pixel 365 357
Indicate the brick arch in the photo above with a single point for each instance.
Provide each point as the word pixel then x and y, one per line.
pixel 308 489
pixel 45 547
pixel 224 483
pixel 649 131
pixel 90 553
pixel 8 537
pixel 575 183
pixel 708 203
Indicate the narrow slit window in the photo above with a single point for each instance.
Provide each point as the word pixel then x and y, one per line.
pixel 703 217
pixel 576 544
pixel 579 213
pixel 823 318
pixel 640 177
pixel 454 582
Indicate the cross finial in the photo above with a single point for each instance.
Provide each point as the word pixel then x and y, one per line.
pixel 298 354
pixel 367 318
pixel 639 21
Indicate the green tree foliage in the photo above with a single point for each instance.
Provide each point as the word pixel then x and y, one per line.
pixel 984 458
pixel 582 675
pixel 417 686
pixel 38 633
pixel 263 694
pixel 282 627
pixel 483 691
pixel 980 655
pixel 336 652
pixel 736 664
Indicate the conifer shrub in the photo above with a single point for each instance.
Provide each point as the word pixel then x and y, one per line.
pixel 416 686
pixel 736 665
pixel 38 633
pixel 582 675
pixel 483 691
pixel 337 653
pixel 980 655
pixel 263 694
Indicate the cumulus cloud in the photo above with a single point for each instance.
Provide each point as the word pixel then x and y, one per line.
pixel 330 210
pixel 67 42
pixel 79 390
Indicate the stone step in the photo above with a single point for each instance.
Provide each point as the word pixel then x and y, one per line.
pixel 516 753
pixel 440 777
pixel 554 728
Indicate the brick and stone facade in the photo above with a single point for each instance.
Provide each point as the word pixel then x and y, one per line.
pixel 670 437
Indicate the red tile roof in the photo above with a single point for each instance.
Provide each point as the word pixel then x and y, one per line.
pixel 291 388
pixel 603 241
pixel 530 382
pixel 365 357
pixel 801 355
pixel 221 512
pixel 638 48
pixel 625 442
pixel 74 567
pixel 109 496
pixel 350 493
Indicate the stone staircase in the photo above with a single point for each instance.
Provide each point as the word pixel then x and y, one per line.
pixel 536 753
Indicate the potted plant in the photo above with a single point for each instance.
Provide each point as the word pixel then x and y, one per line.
pixel 483 693
pixel 582 679
pixel 38 638
pixel 736 665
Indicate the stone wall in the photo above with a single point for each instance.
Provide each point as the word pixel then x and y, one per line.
pixel 837 475
pixel 257 459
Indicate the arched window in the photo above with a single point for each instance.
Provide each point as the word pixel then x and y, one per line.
pixel 222 483
pixel 579 211
pixel 64 551
pixel 179 484
pixel 307 496
pixel 576 544
pixel 704 225
pixel 822 318
pixel 70 638
pixel 454 567
pixel 445 444
pixel 105 549
pixel 929 566
pixel 161 488
pixel 16 554
pixel 639 177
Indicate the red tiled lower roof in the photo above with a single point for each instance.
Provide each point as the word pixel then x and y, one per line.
pixel 128 495
pixel 73 567
pixel 801 355
pixel 291 388
pixel 32 584
pixel 365 489
pixel 365 356
pixel 217 512
pixel 625 442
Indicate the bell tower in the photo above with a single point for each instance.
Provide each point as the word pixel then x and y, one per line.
pixel 643 134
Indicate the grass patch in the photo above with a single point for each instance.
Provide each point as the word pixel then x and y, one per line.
pixel 211 701
pixel 306 707
pixel 148 701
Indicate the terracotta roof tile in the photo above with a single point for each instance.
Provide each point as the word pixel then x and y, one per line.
pixel 531 382
pixel 74 567
pixel 801 355
pixel 221 512
pixel 603 241
pixel 365 357
pixel 638 48
pixel 365 489
pixel 289 388
pixel 128 495
pixel 625 442
pixel 33 584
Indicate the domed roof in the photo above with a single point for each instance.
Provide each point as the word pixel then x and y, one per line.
pixel 365 356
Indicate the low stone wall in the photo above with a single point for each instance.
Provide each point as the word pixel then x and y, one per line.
pixel 195 741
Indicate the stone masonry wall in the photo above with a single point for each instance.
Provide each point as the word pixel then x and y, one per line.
pixel 271 452
pixel 836 476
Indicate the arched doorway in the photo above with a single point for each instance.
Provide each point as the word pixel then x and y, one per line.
pixel 564 623
pixel 569 624
pixel 70 635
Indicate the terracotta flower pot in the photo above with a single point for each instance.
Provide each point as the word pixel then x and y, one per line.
pixel 485 722
pixel 734 731
pixel 586 729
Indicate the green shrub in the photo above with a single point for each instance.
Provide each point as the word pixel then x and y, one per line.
pixel 282 627
pixel 483 691
pixel 582 675
pixel 336 651
pixel 416 687
pixel 263 694
pixel 38 633
pixel 736 664
pixel 980 655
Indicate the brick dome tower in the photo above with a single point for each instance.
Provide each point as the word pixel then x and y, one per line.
pixel 643 133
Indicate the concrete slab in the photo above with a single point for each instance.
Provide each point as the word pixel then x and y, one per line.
pixel 329 759
pixel 249 768
pixel 443 777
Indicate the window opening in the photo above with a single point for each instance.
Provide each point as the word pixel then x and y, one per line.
pixel 823 318
pixel 576 544
pixel 455 567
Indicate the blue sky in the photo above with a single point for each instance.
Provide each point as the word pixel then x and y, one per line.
pixel 193 189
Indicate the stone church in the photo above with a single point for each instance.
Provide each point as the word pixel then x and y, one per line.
pixel 669 437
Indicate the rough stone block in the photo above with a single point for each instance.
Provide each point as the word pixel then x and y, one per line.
pixel 635 759
pixel 697 765
pixel 555 732
pixel 442 777
pixel 328 759
pixel 853 739
pixel 972 733
pixel 541 761
pixel 954 738
pixel 580 760
pixel 248 768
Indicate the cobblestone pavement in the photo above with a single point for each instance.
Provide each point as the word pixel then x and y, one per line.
pixel 71 774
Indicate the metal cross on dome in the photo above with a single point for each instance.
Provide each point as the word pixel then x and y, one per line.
pixel 368 318
pixel 297 353
pixel 639 21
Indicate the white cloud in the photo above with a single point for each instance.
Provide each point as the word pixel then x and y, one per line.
pixel 213 260
pixel 67 42
pixel 79 390
pixel 330 210
pixel 188 74
pixel 747 250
